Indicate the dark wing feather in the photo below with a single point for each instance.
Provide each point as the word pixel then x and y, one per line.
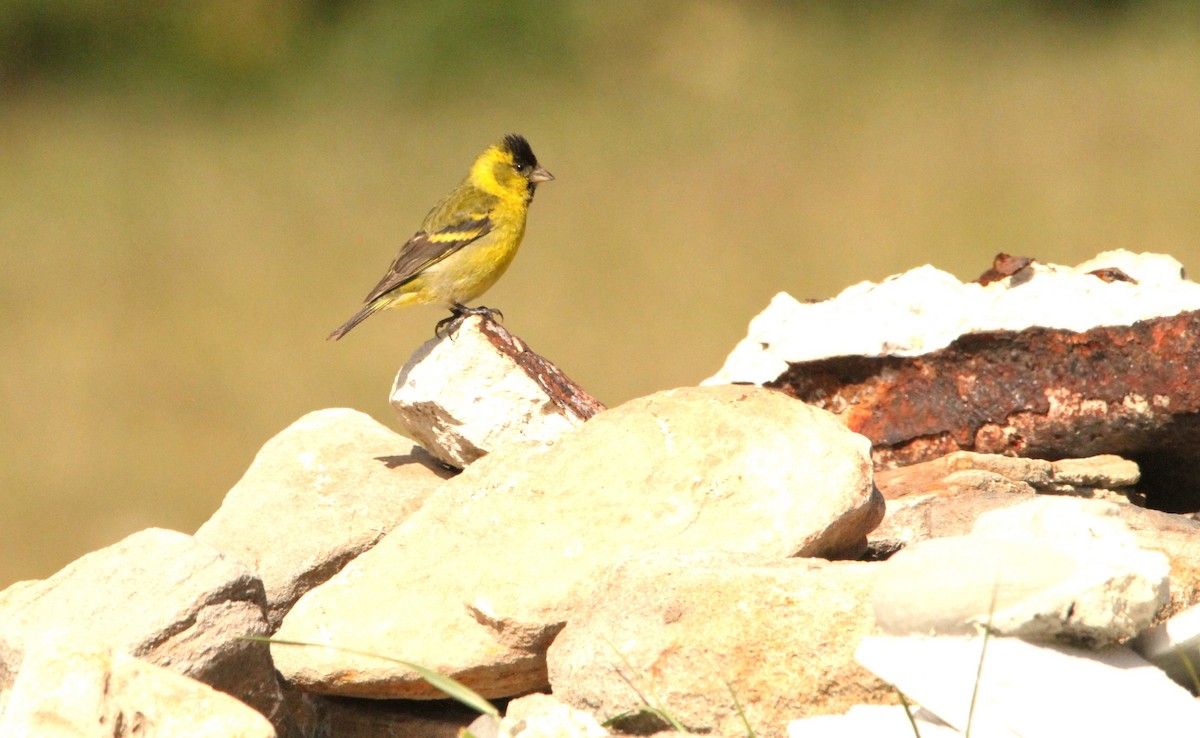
pixel 425 249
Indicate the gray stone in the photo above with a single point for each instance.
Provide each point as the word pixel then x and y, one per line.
pixel 160 596
pixel 64 693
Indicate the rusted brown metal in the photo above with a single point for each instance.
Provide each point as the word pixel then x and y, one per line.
pixel 1045 393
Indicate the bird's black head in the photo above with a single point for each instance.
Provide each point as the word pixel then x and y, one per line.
pixel 522 154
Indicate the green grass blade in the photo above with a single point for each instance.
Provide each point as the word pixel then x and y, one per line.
pixel 1191 669
pixel 449 686
pixel 742 713
pixel 987 634
pixel 654 706
pixel 908 712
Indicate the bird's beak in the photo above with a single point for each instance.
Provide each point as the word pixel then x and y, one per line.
pixel 540 175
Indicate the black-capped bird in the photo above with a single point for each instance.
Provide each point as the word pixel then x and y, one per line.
pixel 467 241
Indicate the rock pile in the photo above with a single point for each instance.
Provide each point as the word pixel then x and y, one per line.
pixel 712 559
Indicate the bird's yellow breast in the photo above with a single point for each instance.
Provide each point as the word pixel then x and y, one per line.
pixel 471 271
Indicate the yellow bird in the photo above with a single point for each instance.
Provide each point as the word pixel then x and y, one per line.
pixel 466 242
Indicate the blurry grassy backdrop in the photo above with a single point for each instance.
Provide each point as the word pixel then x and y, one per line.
pixel 193 195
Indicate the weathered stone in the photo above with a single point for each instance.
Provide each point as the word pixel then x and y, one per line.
pixel 478 581
pixel 693 632
pixel 914 518
pixel 65 693
pixel 480 388
pixel 963 471
pixel 160 596
pixel 1105 472
pixel 1032 690
pixel 1051 568
pixel 336 481
pixel 943 496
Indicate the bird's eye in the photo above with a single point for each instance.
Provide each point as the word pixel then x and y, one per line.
pixel 522 168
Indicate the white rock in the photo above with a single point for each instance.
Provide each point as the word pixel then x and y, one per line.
pixel 1047 568
pixel 925 309
pixel 1033 691
pixel 479 389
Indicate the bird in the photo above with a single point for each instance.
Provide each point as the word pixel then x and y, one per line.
pixel 467 240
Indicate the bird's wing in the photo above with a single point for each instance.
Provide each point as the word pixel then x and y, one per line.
pixel 427 248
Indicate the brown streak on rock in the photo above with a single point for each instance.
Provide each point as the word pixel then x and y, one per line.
pixel 558 386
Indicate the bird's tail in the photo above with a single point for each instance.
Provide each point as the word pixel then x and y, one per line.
pixel 367 311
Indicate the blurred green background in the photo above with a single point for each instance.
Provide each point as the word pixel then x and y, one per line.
pixel 192 195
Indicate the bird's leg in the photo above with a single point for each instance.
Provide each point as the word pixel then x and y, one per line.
pixel 487 312
pixel 458 312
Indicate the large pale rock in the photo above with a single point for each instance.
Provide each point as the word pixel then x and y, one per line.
pixel 686 630
pixel 479 580
pixel 64 693
pixel 480 388
pixel 160 596
pixel 1032 690
pixel 1050 568
pixel 335 482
